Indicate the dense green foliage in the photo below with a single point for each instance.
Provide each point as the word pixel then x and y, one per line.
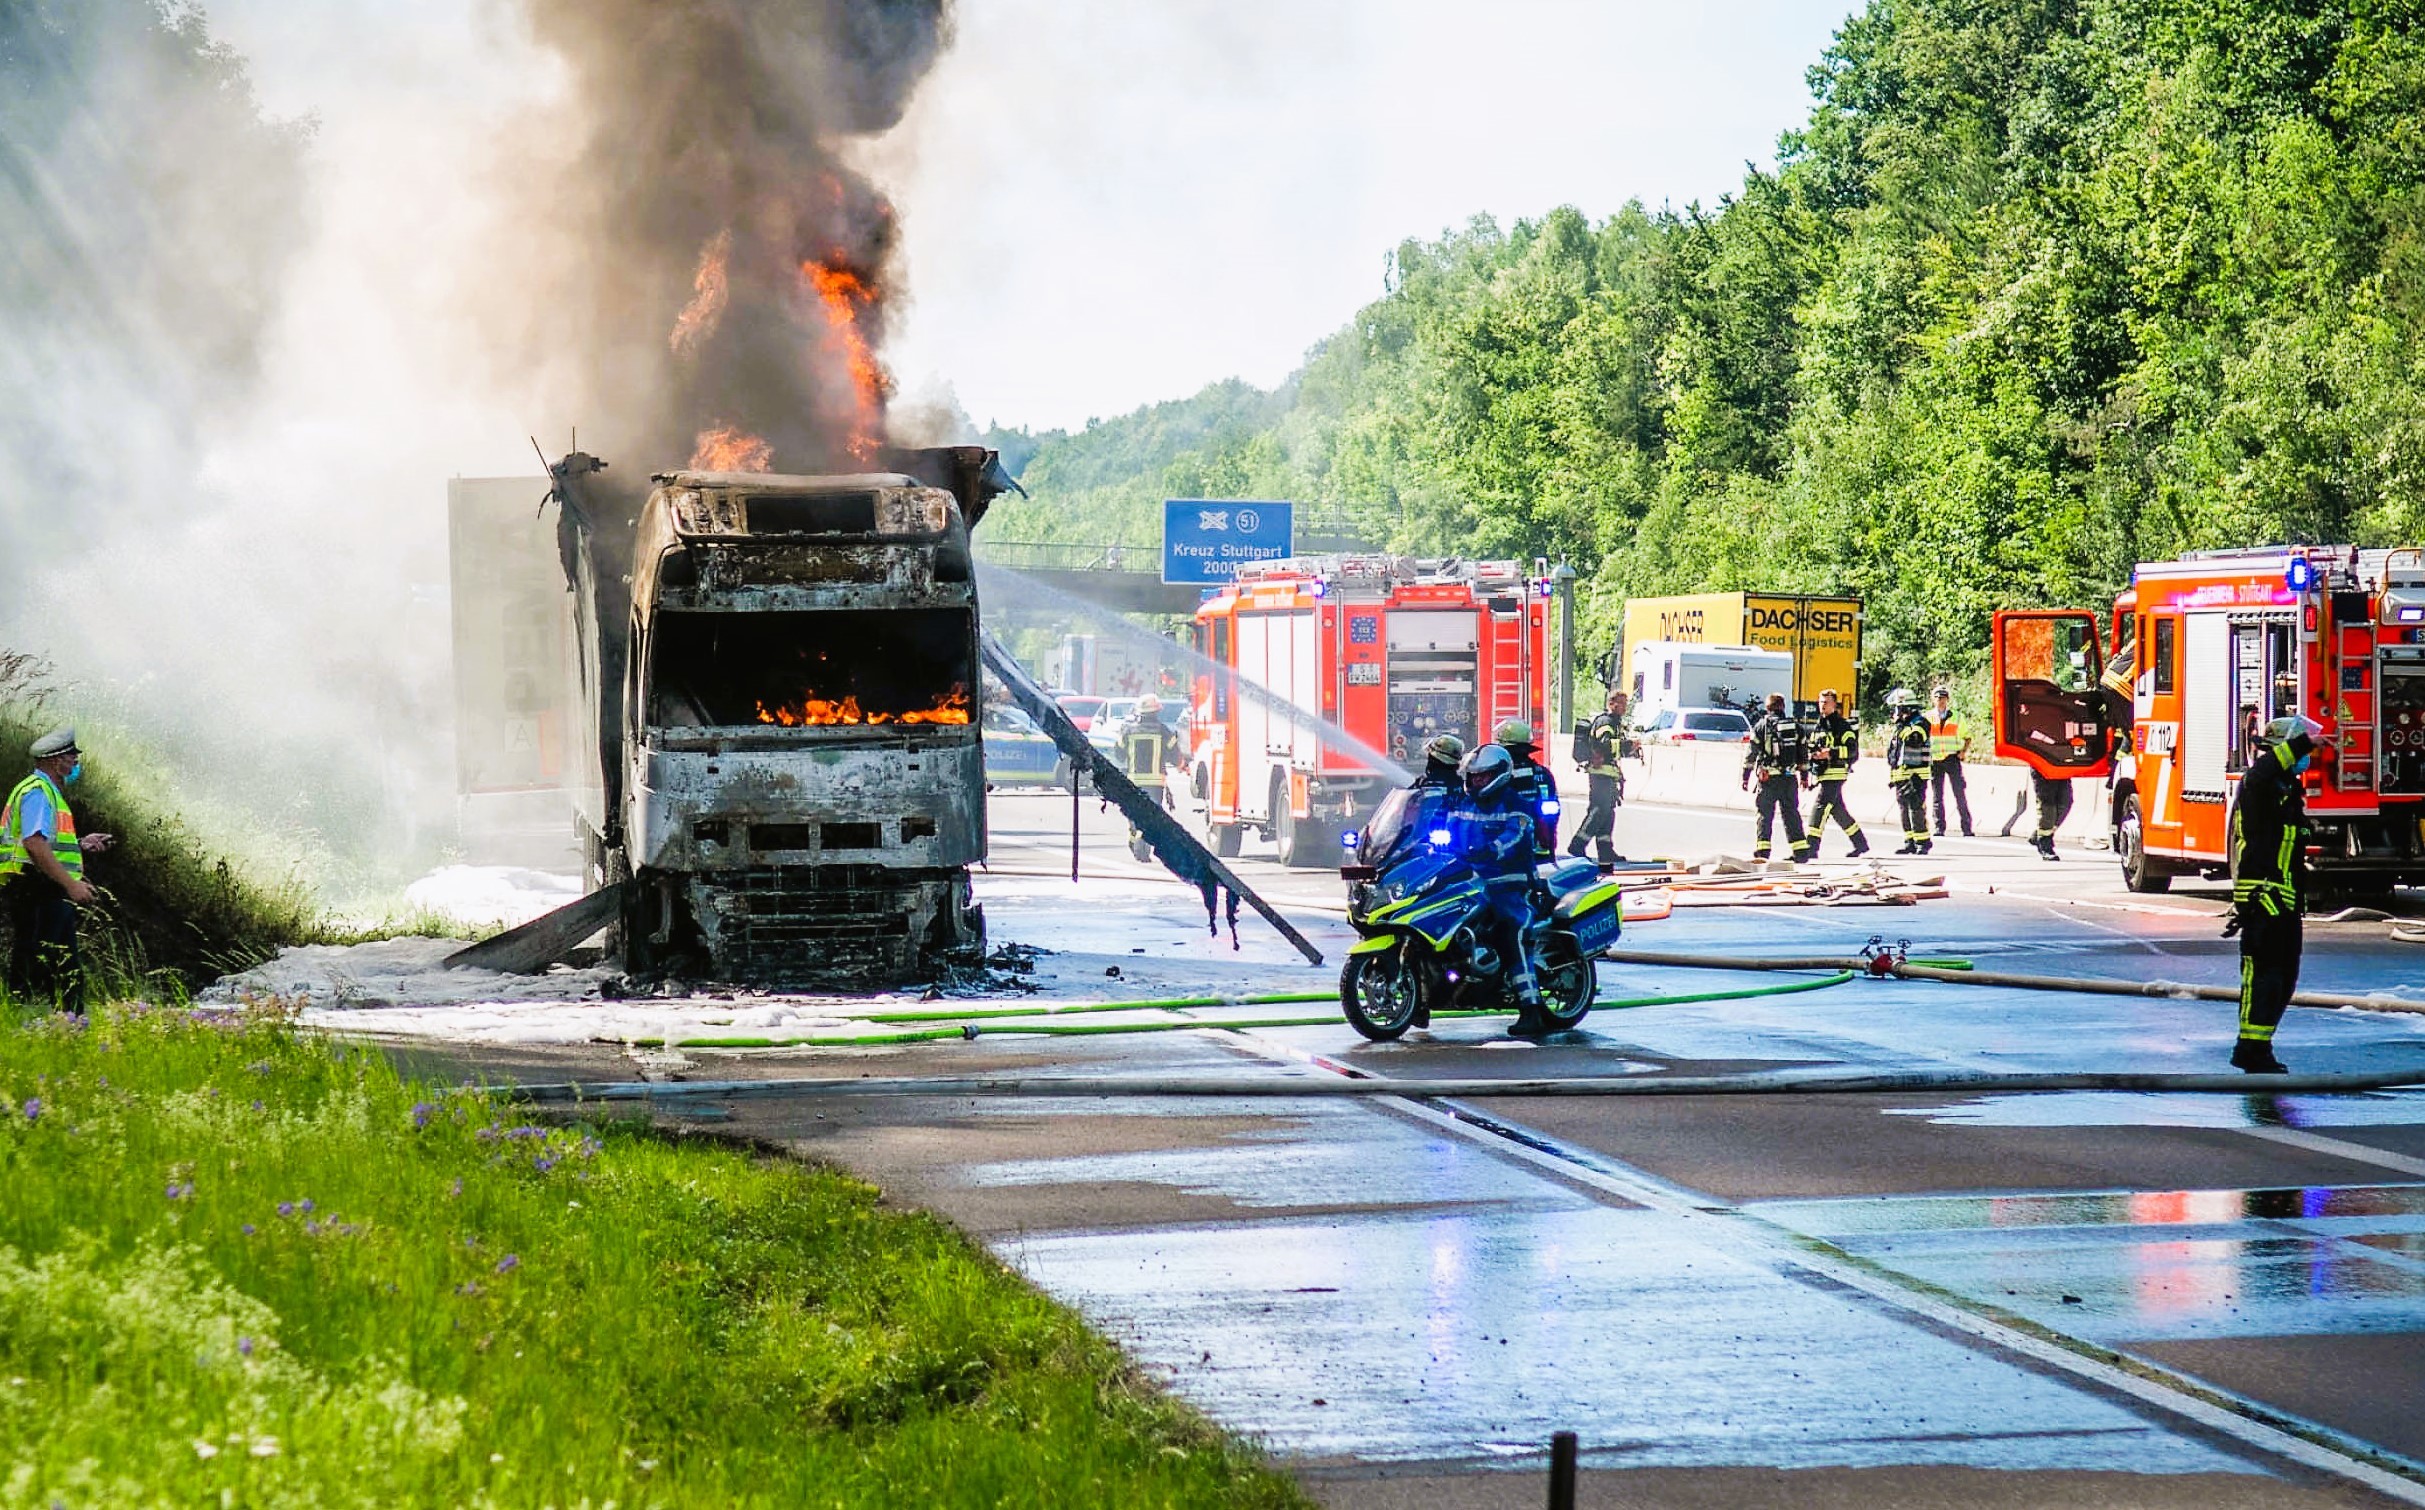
pixel 2042 289
pixel 242 1266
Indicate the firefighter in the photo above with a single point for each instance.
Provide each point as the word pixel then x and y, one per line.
pixel 1148 749
pixel 1835 748
pixel 42 875
pixel 1907 765
pixel 2054 805
pixel 1491 829
pixel 1604 740
pixel 1534 787
pixel 1778 759
pixel 2268 823
pixel 1946 742
pixel 1441 757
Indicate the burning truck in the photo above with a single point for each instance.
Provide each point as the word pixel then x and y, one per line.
pixel 777 770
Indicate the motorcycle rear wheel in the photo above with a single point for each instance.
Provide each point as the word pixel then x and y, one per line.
pixel 1568 983
pixel 1380 992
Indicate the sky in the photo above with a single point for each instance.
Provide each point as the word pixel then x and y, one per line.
pixel 1108 203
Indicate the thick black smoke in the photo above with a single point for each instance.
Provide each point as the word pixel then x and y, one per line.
pixel 718 267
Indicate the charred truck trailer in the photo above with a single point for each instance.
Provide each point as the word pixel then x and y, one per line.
pixel 777 684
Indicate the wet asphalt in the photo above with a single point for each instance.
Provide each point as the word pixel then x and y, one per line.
pixel 2077 1299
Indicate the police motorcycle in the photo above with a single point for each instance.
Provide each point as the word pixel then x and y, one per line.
pixel 1422 911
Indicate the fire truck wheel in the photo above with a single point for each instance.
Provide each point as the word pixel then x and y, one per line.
pixel 2139 873
pixel 1227 840
pixel 1301 839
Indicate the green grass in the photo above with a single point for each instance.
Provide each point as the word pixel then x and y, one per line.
pixel 242 1265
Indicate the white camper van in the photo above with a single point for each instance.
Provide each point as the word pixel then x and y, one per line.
pixel 1674 674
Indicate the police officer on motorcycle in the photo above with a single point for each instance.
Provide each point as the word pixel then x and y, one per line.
pixel 1536 790
pixel 1494 832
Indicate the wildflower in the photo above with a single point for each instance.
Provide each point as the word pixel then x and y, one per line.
pixel 543 1164
pixel 257 1104
pixel 486 1135
pixel 526 1132
pixel 305 1203
pixel 204 1449
pixel 248 1229
pixel 311 1229
pixel 33 1108
pixel 244 1345
pixel 422 1112
pixel 509 1263
pixel 178 1190
pixel 458 1188
pixel 286 1208
pixel 265 1447
pixel 259 1066
pixel 468 1287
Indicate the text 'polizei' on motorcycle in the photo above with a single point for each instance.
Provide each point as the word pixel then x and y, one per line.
pixel 1421 910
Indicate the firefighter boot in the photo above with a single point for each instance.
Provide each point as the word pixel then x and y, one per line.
pixel 1860 846
pixel 1574 847
pixel 1924 846
pixel 1605 853
pixel 2255 1055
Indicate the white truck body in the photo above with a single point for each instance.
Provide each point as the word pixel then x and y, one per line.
pixel 1684 674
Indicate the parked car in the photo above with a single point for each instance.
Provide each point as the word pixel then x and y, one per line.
pixel 1017 753
pixel 1082 709
pixel 1688 725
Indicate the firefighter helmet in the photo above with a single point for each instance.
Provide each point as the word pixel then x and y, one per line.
pixel 1148 705
pixel 1901 698
pixel 1446 749
pixel 1488 770
pixel 1515 734
pixel 2291 729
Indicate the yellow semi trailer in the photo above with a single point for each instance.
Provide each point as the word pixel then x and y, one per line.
pixel 1823 634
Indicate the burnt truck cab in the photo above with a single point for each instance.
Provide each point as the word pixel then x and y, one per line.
pixel 791 775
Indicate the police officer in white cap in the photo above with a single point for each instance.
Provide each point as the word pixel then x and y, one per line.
pixel 42 875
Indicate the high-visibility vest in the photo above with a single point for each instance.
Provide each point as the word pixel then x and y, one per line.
pixel 65 847
pixel 1944 736
pixel 1141 753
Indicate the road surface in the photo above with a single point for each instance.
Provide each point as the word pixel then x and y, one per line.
pixel 2208 1301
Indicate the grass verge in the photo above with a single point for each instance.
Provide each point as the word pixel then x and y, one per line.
pixel 239 1264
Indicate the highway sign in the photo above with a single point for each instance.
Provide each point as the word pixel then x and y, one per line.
pixel 1205 540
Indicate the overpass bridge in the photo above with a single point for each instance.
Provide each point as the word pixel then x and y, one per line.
pixel 1128 578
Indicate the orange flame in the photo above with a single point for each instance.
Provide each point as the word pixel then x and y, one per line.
pixel 709 292
pixel 727 448
pixel 843 296
pixel 820 713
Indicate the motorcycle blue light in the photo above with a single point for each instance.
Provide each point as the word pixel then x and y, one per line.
pixel 1350 839
pixel 1440 838
pixel 1550 806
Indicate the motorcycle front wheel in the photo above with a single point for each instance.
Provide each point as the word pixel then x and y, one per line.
pixel 1568 983
pixel 1380 992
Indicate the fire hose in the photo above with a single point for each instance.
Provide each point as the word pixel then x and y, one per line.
pixel 1892 964
pixel 966 1020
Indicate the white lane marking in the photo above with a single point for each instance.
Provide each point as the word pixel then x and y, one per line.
pixel 2339 1148
pixel 2209 1406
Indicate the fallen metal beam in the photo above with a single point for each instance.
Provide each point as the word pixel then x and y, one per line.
pixel 1799 1083
pixel 1180 852
pixel 545 939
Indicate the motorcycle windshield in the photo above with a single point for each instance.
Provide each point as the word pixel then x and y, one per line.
pixel 1386 827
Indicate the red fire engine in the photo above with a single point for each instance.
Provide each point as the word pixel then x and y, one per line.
pixel 1388 649
pixel 2211 648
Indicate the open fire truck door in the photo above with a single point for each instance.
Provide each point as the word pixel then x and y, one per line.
pixel 2049 710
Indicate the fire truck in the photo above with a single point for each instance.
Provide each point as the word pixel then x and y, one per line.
pixel 1387 650
pixel 2211 648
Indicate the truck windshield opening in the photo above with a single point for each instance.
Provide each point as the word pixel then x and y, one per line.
pixel 825 669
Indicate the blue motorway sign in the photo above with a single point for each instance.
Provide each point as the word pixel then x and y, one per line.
pixel 1204 540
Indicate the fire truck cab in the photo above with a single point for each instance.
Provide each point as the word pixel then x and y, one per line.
pixel 1326 662
pixel 2211 648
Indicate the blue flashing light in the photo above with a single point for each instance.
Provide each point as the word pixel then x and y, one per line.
pixel 2302 574
pixel 1350 839
pixel 1441 838
pixel 1321 586
pixel 1550 806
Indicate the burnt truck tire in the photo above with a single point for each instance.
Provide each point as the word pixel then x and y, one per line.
pixel 2140 873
